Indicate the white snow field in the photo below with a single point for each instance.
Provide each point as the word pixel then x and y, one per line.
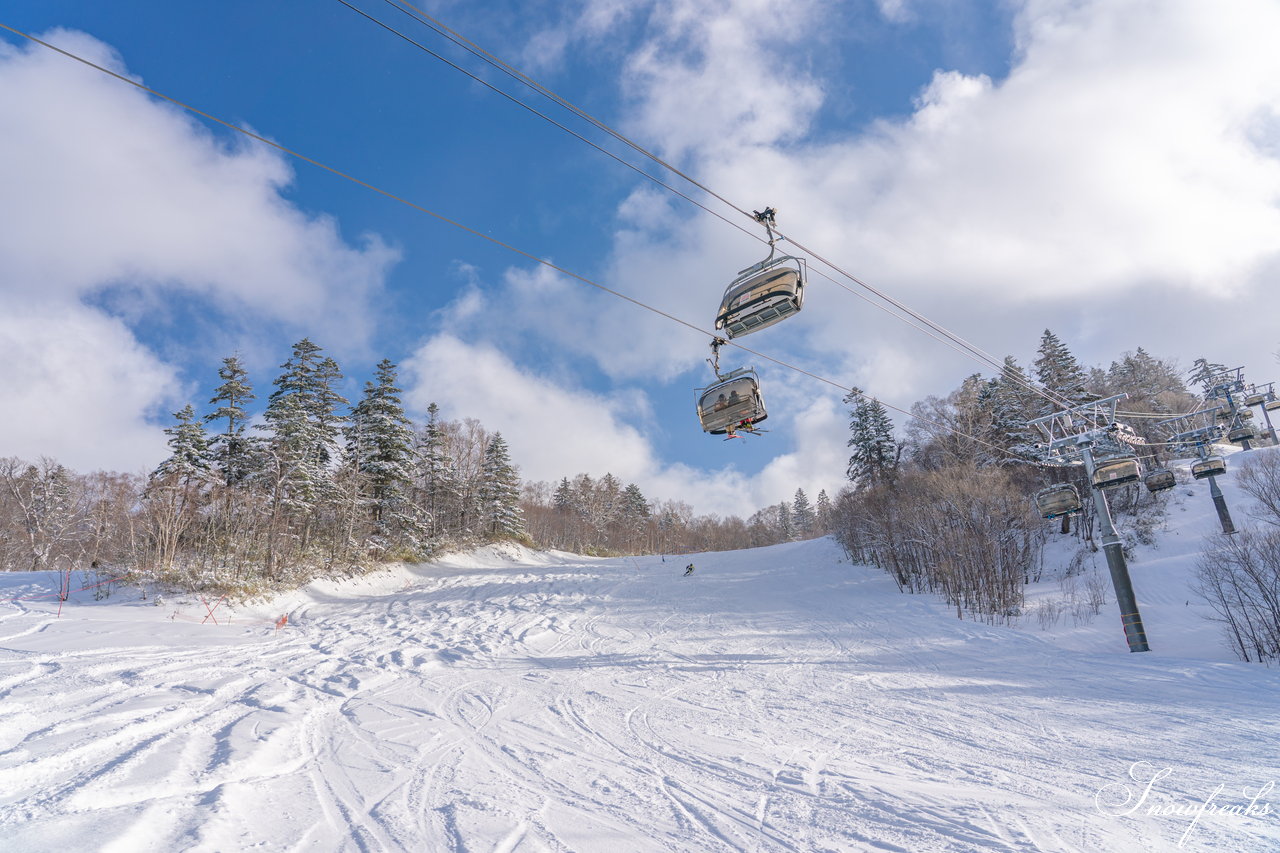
pixel 506 700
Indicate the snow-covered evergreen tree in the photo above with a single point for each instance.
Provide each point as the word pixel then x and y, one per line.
pixel 823 512
pixel 634 503
pixel 499 492
pixel 379 439
pixel 563 498
pixel 802 517
pixel 1010 403
pixel 325 409
pixel 230 449
pixel 437 475
pixel 188 463
pixel 1057 370
pixel 875 454
pixel 635 512
pixel 302 422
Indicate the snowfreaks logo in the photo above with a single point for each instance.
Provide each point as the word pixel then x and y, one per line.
pixel 1121 799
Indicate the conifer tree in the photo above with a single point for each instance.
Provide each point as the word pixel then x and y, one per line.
pixel 1061 375
pixel 176 488
pixel 230 449
pixel 634 503
pixel 500 492
pixel 378 447
pixel 437 474
pixel 802 518
pixel 824 512
pixel 1011 404
pixel 635 511
pixel 188 462
pixel 875 452
pixel 303 423
pixel 563 498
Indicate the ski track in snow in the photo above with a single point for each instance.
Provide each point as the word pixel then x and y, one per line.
pixel 779 700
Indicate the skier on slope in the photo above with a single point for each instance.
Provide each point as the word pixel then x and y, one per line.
pixel 688 570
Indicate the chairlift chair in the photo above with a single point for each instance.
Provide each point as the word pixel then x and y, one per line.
pixel 1159 480
pixel 1210 466
pixel 1115 471
pixel 1058 500
pixel 762 295
pixel 732 402
pixel 1255 399
pixel 1271 405
pixel 1242 434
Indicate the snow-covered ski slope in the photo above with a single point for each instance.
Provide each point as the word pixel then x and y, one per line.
pixel 778 699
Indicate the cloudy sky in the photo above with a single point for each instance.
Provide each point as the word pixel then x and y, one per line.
pixel 1109 170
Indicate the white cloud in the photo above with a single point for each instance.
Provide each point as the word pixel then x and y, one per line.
pixel 553 432
pixel 713 80
pixel 119 193
pixel 77 387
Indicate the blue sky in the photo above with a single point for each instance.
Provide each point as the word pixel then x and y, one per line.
pixel 1105 169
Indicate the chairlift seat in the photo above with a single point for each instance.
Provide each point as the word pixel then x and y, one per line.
pixel 1271 405
pixel 1058 500
pixel 1116 472
pixel 730 402
pixel 1211 466
pixel 1242 434
pixel 1255 399
pixel 764 295
pixel 1159 480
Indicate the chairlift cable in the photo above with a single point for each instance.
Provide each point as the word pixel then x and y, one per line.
pixel 513 99
pixel 514 73
pixel 959 344
pixel 476 233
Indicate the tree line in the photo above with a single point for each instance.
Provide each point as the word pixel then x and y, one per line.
pixel 603 517
pixel 948 507
pixel 320 485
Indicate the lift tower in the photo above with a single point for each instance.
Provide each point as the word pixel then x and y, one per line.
pixel 1196 432
pixel 1089 434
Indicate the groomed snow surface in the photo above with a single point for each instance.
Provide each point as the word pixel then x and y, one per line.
pixel 506 700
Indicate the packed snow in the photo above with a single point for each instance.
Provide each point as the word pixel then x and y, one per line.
pixel 778 699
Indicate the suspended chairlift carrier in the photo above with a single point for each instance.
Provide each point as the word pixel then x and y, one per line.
pixel 1159 480
pixel 1244 432
pixel 1116 470
pixel 1058 500
pixel 1210 466
pixel 733 402
pixel 764 293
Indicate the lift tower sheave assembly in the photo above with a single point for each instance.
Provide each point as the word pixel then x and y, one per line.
pixel 1089 434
